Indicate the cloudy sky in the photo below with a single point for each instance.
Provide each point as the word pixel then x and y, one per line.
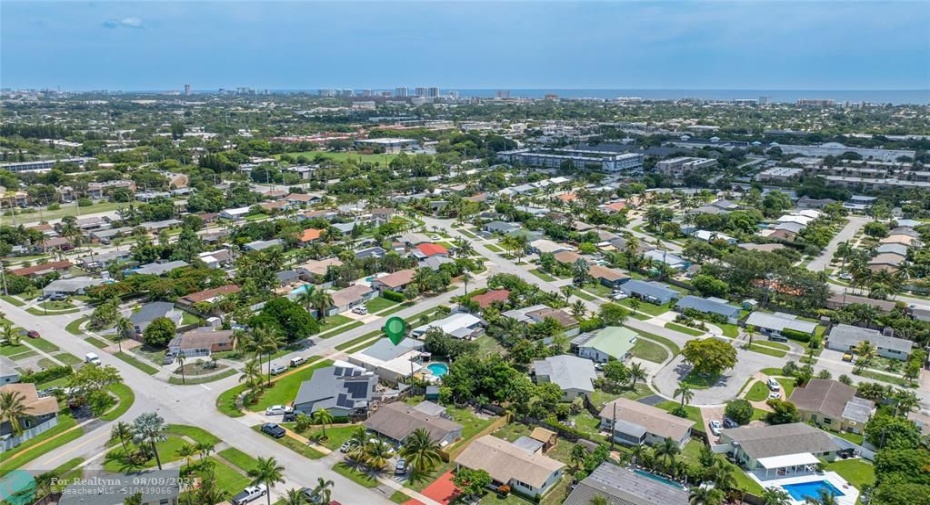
pixel 751 44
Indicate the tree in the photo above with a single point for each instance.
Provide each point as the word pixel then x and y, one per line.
pixel 471 482
pixel 89 386
pixel 133 499
pixel 124 329
pixel 357 443
pixel 268 472
pixel 783 412
pixel 421 451
pixel 667 449
pixel 377 453
pixel 739 410
pixel 598 499
pixel 121 432
pixel 149 428
pixel 252 373
pixel 323 417
pixel 888 432
pixel 567 291
pixel 579 453
pixel 616 372
pixel 159 332
pixel 684 391
pixel 322 301
pixel 187 452
pixel 323 491
pixel 13 410
pixel 866 353
pixel 580 272
pixel 704 495
pixel 637 373
pixel 295 496
pixel 775 496
pixel 709 356
pixel 268 341
pixel 613 314
pixel 181 360
pixel 826 498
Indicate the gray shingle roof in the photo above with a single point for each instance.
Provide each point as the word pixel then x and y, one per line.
pixel 335 386
pixel 847 335
pixel 622 486
pixel 781 440
pixel 652 289
pixel 780 322
pixel 708 306
pixel 568 372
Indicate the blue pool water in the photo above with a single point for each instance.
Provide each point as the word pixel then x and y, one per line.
pixel 806 490
pixel 656 478
pixel 438 369
pixel 301 289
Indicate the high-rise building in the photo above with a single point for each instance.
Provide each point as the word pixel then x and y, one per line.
pixel 327 92
pixel 432 92
pixel 421 91
pixel 187 90
pixel 401 92
pixel 366 92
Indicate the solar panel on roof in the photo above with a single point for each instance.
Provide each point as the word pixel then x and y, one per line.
pixel 357 389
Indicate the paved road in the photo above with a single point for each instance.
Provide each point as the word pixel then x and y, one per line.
pixel 820 263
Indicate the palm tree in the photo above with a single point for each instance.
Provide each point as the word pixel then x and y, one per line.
pixel 268 342
pixel 421 451
pixel 637 373
pixel 251 373
pixel 323 490
pixel 204 449
pixel 209 494
pixel 466 276
pixel 684 390
pixel 826 498
pixel 124 329
pixel 750 331
pixel 322 417
pixel 721 474
pixel 13 409
pixel 187 452
pixel 322 302
pixel 267 472
pixel 578 456
pixel 775 496
pixel 667 449
pixel 123 432
pixel 704 495
pixel 149 428
pixel 181 361
pixel 866 352
pixel 305 298
pixel 579 309
pixel 634 303
pixel 377 453
pixel 357 443
pixel 598 499
pixel 567 290
pixel 294 496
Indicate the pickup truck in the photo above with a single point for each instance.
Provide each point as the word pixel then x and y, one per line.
pixel 250 493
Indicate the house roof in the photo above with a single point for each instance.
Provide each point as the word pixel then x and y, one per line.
pixel 648 288
pixel 310 234
pixel 319 267
pixel 398 420
pixel 568 257
pixel 160 268
pixel 898 239
pixel 610 274
pixel 505 461
pixel 385 350
pixel 887 259
pixel 453 325
pixel 828 397
pixel 653 420
pixel 151 311
pixel 762 247
pixel 350 294
pixel 665 257
pixel 35 406
pixel 199 339
pixel 42 267
pixel 432 249
pixel 547 246
pixel 209 294
pixel 847 335
pixel 614 341
pixel 858 410
pixel 496 295
pixel 542 434
pixel 623 486
pixel 568 372
pixel 343 386
pixel 708 306
pixel 564 318
pixel 899 249
pixel 781 440
pixel 397 279
pixel 780 322
pixel 616 206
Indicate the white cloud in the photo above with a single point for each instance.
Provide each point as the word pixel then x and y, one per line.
pixel 130 22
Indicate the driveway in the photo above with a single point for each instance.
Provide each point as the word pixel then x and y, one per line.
pixel 820 263
pixel 726 388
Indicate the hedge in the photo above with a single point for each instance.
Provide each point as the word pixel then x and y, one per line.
pixel 393 296
pixel 800 336
pixel 47 375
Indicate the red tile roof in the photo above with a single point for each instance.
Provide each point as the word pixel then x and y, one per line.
pixel 485 300
pixel 44 267
pixel 310 234
pixel 207 294
pixel 432 249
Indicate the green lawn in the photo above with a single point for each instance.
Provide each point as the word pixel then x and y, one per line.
pixel 684 329
pixel 333 321
pixel 729 330
pixel 294 445
pixel 700 381
pixel 116 460
pixel 649 351
pixel 492 247
pixel 542 275
pixel 357 476
pixel 227 478
pixel 358 340
pixel 239 459
pixel 378 304
pixel 68 359
pixel 662 340
pixel 766 349
pixel 191 381
pixel 96 342
pixel 42 345
pixel 74 326
pixel 488 345
pixel 13 350
pixel 772 372
pixel 126 399
pixel 693 413
pixel 471 424
pixel 492 498
pixel 899 381
pixel 399 497
pixel 336 435
pixel 188 318
pixel 198 434
pixel 787 384
pixel 743 481
pixel 340 331
pixel 285 389
pixel 12 300
pixel 758 392
pixel 646 307
pixel 383 159
pixel 42 444
pixel 855 438
pixel 584 295
pixel 857 472
pixel 149 369
pixel 397 308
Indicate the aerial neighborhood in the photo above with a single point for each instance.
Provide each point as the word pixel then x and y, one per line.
pixel 649 302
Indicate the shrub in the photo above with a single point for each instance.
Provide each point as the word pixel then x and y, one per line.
pixel 54 206
pixel 393 296
pixel 592 324
pixel 84 202
pixel 739 410
pixel 47 375
pixel 796 335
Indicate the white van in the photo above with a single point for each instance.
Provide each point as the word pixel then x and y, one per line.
pixel 299 360
pixel 91 358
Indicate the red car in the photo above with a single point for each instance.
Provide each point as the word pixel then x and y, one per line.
pixel 32 334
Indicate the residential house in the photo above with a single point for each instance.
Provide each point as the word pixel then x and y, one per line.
pixel 673 261
pixel 396 421
pixel 568 258
pixel 502 227
pixel 886 261
pixel 494 296
pixel 302 199
pixel 75 286
pixel 839 300
pixel 160 268
pixel 221 258
pixel 202 342
pixel 345 390
pixel 635 423
pixel 42 412
pixel 351 297
pixel 710 306
pixel 772 325
pixel 434 262
pixel 612 342
pixel 309 236
pixel 208 295
pixel 235 214
pixel 152 487
pixel 423 251
pixel 650 291
pixel 381 215
pixel 610 277
pixel 151 311
pixel 542 246
pixel 397 281
pixel 538 313
pixel 104 260
pixel 713 236
pixel 53 243
pixel 287 278
pixel 575 376
pixel 625 486
pixel 906 240
pixel 614 207
pixel 898 249
pixel 370 252
pixel 529 473
pixel 833 405
pixel 414 239
pixel 844 338
pixel 261 245
pixel 321 267
pixel 9 371
pixel 780 450
pixel 38 270
pixel 806 202
pixel 392 363
pixel 774 247
pixel 459 325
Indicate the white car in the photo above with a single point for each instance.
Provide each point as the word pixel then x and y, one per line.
pixel 360 310
pixel 715 427
pixel 278 369
pixel 773 385
pixel 846 276
pixel 435 238
pixel 774 395
pixel 278 410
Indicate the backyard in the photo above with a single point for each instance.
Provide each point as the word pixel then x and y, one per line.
pixel 284 390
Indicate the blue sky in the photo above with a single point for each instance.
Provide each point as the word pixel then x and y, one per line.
pixel 148 45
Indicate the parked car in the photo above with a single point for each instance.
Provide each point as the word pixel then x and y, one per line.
pixel 278 410
pixel 58 297
pixel 289 417
pixel 168 359
pixel 346 447
pixel 249 494
pixel 773 384
pixel 278 369
pixel 848 357
pixel 311 495
pixel 715 427
pixel 774 395
pixel 299 360
pixel 33 334
pixel 846 276
pixel 401 467
pixel 360 310
pixel 42 298
pixel 729 423
pixel 274 430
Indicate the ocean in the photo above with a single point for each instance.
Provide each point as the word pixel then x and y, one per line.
pixel 897 97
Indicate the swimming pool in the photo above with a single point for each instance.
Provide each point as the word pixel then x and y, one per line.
pixel 438 369
pixel 656 478
pixel 806 490
pixel 300 289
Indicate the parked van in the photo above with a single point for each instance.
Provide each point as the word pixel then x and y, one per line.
pixel 299 360
pixel 91 359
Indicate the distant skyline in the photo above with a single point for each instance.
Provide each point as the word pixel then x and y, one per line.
pixel 672 45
